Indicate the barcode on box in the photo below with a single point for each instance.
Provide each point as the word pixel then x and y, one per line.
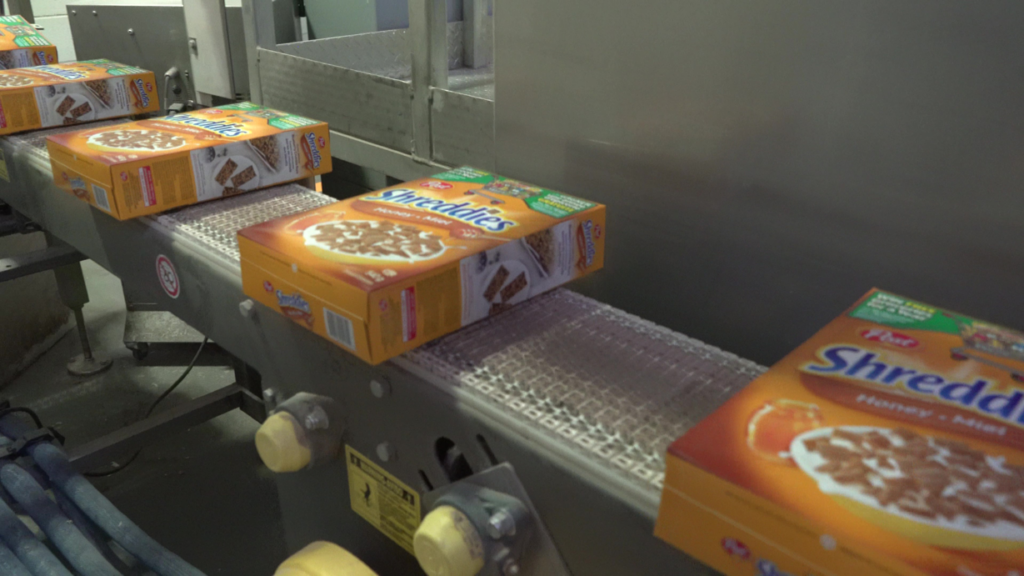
pixel 101 197
pixel 339 329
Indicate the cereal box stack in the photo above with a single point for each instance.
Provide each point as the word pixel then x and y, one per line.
pixel 138 168
pixel 72 93
pixel 891 442
pixel 387 271
pixel 21 45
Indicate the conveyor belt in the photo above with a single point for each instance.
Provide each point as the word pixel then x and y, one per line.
pixel 612 385
pixel 602 391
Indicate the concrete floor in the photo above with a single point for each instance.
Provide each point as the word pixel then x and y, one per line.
pixel 203 493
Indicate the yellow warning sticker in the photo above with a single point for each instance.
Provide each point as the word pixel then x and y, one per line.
pixel 3 167
pixel 382 500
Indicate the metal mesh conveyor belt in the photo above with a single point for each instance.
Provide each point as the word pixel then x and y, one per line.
pixel 613 387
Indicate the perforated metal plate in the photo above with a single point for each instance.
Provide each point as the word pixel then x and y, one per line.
pixel 615 386
pixel 216 224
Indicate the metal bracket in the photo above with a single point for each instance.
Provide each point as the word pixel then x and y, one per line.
pixel 38 261
pixel 181 417
pixel 541 556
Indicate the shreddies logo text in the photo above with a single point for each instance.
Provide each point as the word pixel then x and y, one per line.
pixel 889 337
pixel 490 219
pixel 65 74
pixel 222 127
pixel 142 92
pixel 314 153
pixel 295 307
pixel 981 395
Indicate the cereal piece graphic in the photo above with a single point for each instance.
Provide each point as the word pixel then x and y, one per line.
pixel 932 480
pixel 65 105
pixel 138 140
pixel 13 80
pixel 496 283
pixel 244 176
pixel 69 121
pixel 80 110
pixel 378 239
pixel 541 245
pixel 267 149
pixel 514 287
pixel 225 172
pixel 229 191
pixel 100 89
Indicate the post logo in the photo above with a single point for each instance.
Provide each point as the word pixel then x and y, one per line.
pixel 889 337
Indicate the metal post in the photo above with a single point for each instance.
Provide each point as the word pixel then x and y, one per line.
pixel 474 14
pixel 258 22
pixel 428 30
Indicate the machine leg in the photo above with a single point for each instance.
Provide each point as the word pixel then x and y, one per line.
pixel 86 364
pixel 71 285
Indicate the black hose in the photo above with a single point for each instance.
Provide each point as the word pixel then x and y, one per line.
pixel 10 565
pixel 76 548
pixel 33 554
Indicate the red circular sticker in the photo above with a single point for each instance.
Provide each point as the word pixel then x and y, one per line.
pixel 168 276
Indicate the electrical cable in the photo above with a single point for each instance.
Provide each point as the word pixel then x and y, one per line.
pixel 149 412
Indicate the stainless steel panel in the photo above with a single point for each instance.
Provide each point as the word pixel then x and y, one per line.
pixel 462 128
pixel 765 163
pixel 367 106
pixel 159 42
pixel 385 53
pixel 209 48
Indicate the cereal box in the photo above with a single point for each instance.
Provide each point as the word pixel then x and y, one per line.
pixel 891 442
pixel 138 168
pixel 21 45
pixel 384 272
pixel 72 93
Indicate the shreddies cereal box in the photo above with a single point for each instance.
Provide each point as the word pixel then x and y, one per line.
pixel 72 93
pixel 21 44
pixel 891 442
pixel 384 272
pixel 138 168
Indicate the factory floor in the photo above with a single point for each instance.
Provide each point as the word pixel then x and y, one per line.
pixel 203 493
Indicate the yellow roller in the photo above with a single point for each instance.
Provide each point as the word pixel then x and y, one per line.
pixel 447 544
pixel 281 443
pixel 323 559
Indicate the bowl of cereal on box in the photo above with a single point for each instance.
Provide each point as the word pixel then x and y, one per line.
pixel 929 489
pixel 373 242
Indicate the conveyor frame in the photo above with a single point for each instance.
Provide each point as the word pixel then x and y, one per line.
pixel 600 516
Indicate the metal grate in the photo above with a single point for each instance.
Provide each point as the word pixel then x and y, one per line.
pixel 216 224
pixel 615 386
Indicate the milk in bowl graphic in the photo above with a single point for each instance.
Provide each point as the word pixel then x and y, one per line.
pixel 932 490
pixel 373 241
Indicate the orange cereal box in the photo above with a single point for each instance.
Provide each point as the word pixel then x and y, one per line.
pixel 385 272
pixel 890 443
pixel 22 45
pixel 139 168
pixel 73 93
